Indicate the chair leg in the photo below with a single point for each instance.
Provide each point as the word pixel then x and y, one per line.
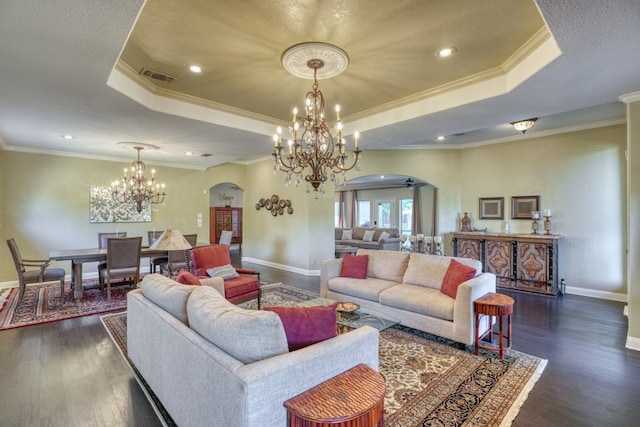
pixel 259 295
pixel 23 287
pixel 62 290
pixel 108 289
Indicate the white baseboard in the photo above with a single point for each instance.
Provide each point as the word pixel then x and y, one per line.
pixel 633 343
pixel 597 294
pixel 282 267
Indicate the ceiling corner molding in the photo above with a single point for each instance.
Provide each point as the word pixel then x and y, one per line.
pixel 629 98
pixel 543 133
pixel 536 54
pixel 128 82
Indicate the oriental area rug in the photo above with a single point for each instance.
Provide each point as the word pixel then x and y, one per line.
pixel 430 381
pixel 41 304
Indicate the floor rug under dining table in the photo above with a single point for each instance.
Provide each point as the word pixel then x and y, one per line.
pixel 429 380
pixel 41 304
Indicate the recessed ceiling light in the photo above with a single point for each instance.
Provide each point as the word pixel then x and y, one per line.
pixel 195 68
pixel 440 138
pixel 67 136
pixel 381 176
pixel 189 153
pixel 446 52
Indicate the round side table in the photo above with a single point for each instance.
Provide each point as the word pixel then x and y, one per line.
pixel 354 398
pixel 493 304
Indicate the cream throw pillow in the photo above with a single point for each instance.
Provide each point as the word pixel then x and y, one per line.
pixel 347 234
pixel 368 236
pixel 384 235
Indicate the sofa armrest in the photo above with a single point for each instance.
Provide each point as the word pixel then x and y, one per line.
pixel 215 282
pixel 328 270
pixel 390 243
pixel 468 292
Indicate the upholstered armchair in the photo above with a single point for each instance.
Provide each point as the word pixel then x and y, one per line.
pixel 244 287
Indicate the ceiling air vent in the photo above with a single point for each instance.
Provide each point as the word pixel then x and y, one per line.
pixel 146 72
pixel 206 155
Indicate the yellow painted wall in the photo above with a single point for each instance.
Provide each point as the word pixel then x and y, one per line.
pixel 633 206
pixel 580 176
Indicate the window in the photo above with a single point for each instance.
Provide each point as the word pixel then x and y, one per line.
pixel 406 216
pixel 336 214
pixel 364 213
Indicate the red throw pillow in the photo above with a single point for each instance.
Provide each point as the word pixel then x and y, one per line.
pixel 304 326
pixel 186 278
pixel 354 266
pixel 456 274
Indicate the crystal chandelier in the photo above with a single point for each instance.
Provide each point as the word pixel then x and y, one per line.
pixel 136 188
pixel 314 151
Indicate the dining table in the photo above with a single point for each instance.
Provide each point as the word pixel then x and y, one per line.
pixel 80 256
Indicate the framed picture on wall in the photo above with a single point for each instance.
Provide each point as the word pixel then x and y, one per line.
pixel 522 206
pixel 491 208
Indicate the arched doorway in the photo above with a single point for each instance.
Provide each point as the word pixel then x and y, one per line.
pixel 388 201
pixel 226 201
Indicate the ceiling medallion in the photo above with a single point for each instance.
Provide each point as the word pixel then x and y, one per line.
pixel 295 60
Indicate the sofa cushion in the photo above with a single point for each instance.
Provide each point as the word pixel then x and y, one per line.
pixel 358 233
pixel 246 335
pixel 419 299
pixel 457 273
pixel 383 235
pixel 368 236
pixel 224 271
pixel 307 325
pixel 387 265
pixel 429 270
pixel 347 234
pixel 186 278
pixel 354 266
pixel 369 290
pixel 171 296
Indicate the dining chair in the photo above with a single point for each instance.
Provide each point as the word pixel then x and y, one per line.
pixel 225 237
pixel 178 260
pixel 154 262
pixel 123 261
pixel 39 275
pixel 102 244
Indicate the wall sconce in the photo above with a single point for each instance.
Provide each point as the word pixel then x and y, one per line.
pixel 524 125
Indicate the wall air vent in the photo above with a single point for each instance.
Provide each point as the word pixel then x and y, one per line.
pixel 206 155
pixel 156 75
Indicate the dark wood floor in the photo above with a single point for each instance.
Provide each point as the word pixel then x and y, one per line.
pixel 69 373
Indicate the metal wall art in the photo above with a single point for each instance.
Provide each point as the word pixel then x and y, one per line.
pixel 275 204
pixel 103 208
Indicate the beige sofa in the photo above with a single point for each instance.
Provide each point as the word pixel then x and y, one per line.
pixel 213 363
pixel 391 243
pixel 406 286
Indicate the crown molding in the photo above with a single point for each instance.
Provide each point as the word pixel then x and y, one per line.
pixel 629 98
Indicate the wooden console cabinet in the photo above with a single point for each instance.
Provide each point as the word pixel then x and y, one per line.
pixel 229 219
pixel 525 262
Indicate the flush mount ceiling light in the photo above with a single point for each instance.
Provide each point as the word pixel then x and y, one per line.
pixel 524 125
pixel 195 69
pixel 446 52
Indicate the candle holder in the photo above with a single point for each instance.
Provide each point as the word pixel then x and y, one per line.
pixel 535 216
pixel 547 224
